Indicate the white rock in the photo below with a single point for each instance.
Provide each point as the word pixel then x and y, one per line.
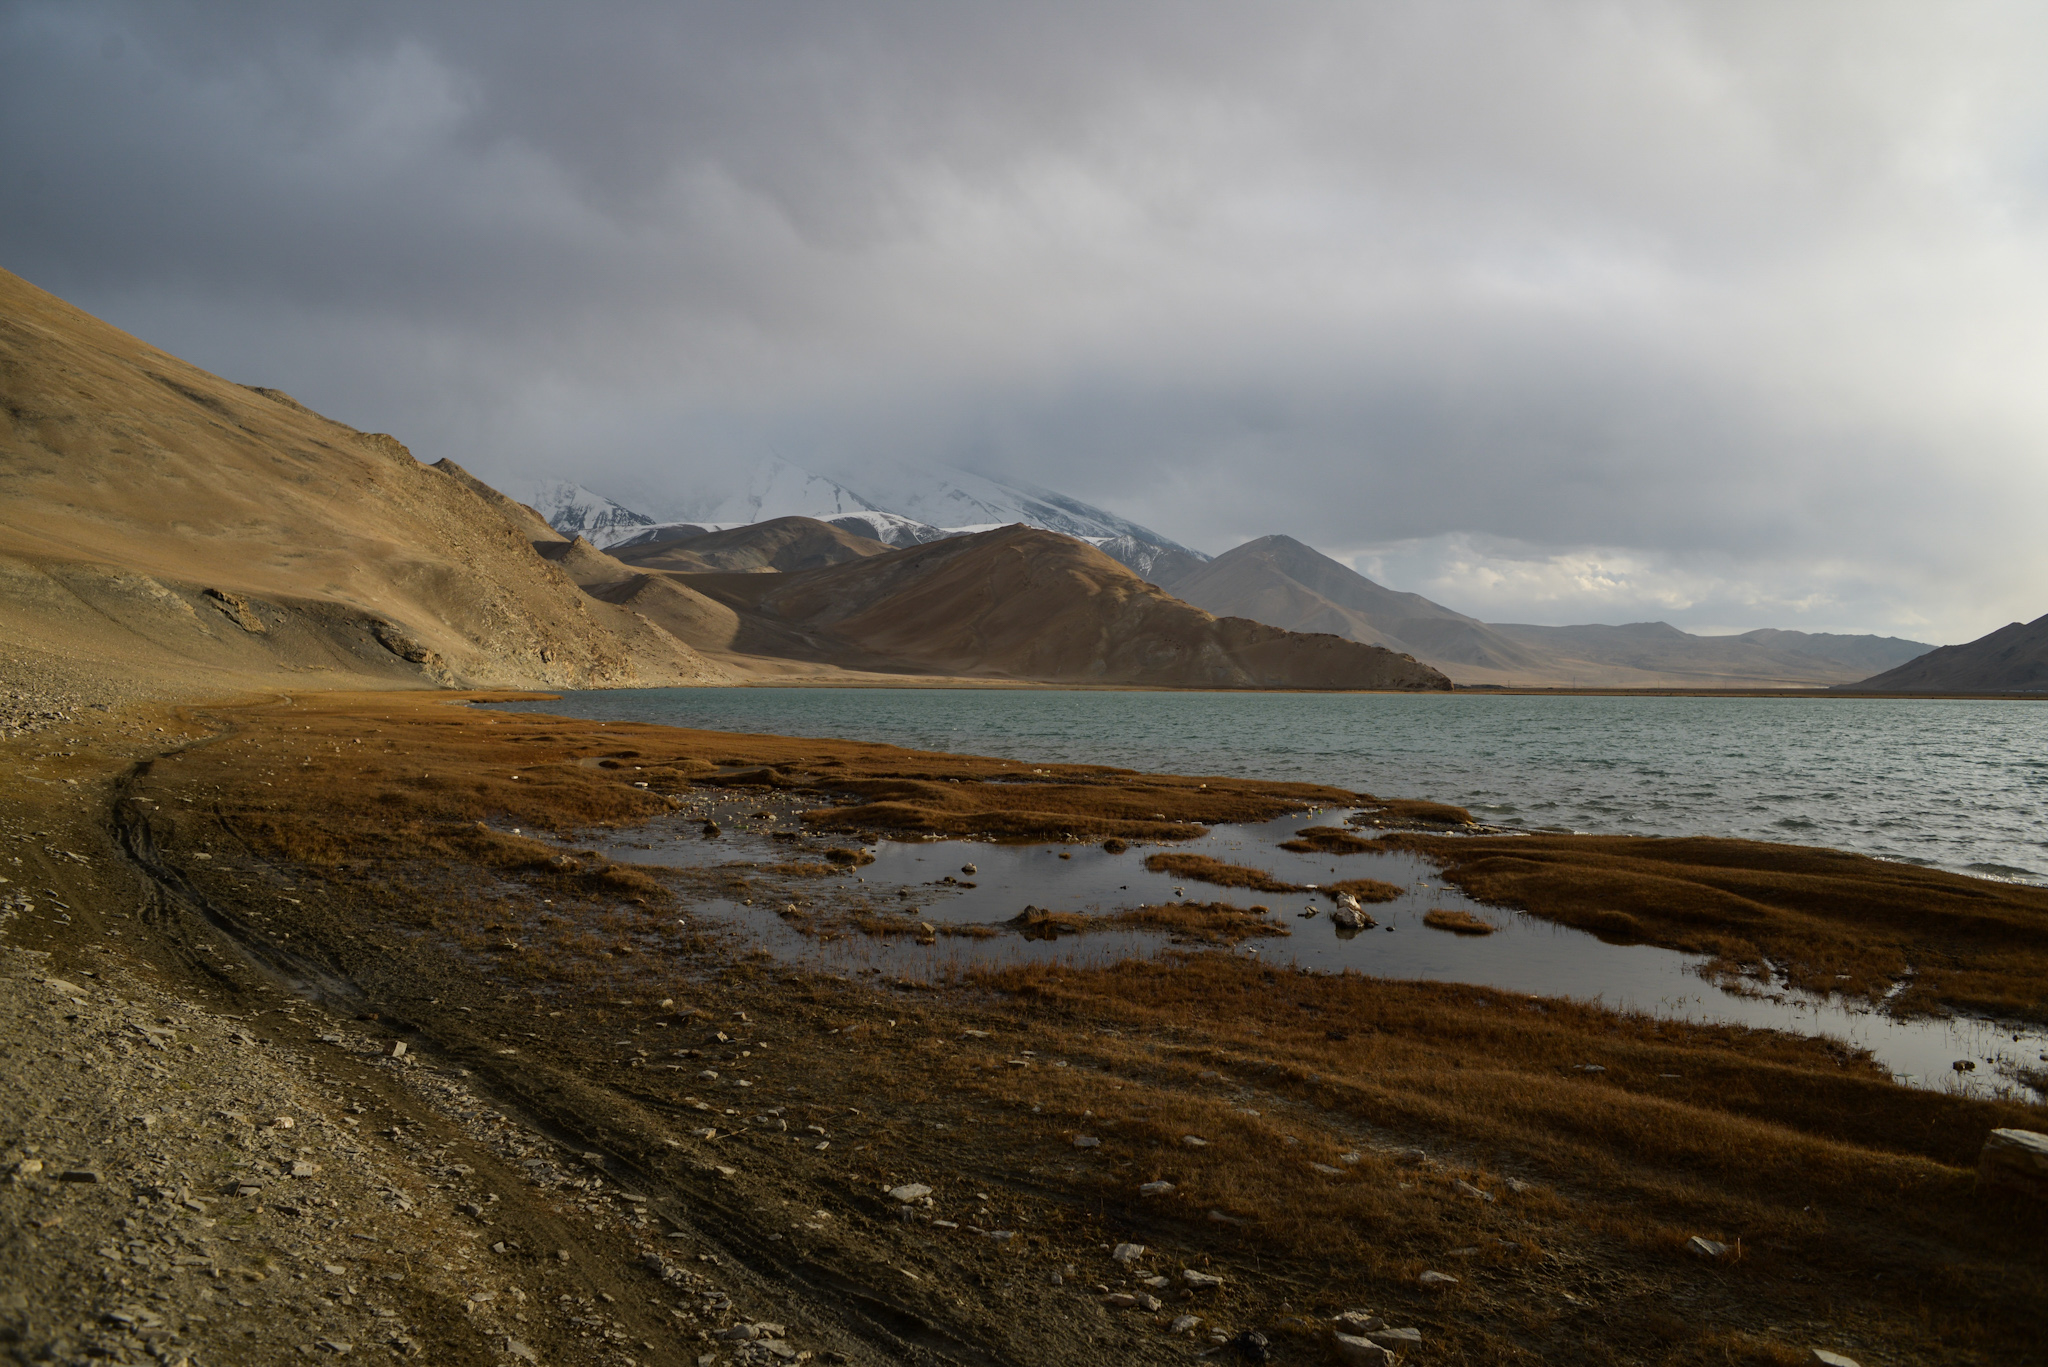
pixel 1194 1141
pixel 1705 1248
pixel 1128 1253
pixel 1828 1359
pixel 1201 1281
pixel 2015 1160
pixel 1155 1189
pixel 1361 1352
pixel 1436 1280
pixel 1184 1324
pixel 1396 1338
pixel 1326 1170
pixel 910 1191
pixel 1359 1322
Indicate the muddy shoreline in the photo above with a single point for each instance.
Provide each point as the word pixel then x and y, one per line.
pixel 655 1109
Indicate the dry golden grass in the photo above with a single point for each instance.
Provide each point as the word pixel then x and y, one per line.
pixel 1817 1162
pixel 1407 812
pixel 1456 922
pixel 1330 840
pixel 1200 868
pixel 1364 889
pixel 1215 923
pixel 1831 921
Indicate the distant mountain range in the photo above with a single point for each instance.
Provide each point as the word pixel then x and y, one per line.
pixel 1279 580
pixel 1276 580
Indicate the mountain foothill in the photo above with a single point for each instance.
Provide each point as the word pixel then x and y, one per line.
pixel 165 524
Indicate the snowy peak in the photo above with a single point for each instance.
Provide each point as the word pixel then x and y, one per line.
pixel 574 510
pixel 897 504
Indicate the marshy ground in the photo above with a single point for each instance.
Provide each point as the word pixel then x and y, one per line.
pixel 596 1068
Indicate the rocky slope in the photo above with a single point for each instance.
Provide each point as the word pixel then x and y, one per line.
pixel 2012 659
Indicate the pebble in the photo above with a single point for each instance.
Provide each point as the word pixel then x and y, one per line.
pixel 1194 1141
pixel 1087 1141
pixel 1396 1338
pixel 1155 1189
pixel 1326 1170
pixel 1128 1253
pixel 1201 1281
pixel 909 1192
pixel 1359 1322
pixel 1184 1324
pixel 1436 1280
pixel 1832 1359
pixel 1705 1248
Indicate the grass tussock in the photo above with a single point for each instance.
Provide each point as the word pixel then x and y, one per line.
pixel 1329 840
pixel 1209 923
pixel 1457 922
pixel 1830 921
pixel 1411 814
pixel 1200 868
pixel 1364 889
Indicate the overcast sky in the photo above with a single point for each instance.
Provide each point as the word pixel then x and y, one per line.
pixel 1731 315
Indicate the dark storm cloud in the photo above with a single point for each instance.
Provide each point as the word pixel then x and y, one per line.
pixel 1728 314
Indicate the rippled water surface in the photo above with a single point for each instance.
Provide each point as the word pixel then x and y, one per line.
pixel 1958 784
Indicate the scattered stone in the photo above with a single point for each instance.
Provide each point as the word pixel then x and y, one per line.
pixel 1359 1322
pixel 519 1350
pixel 305 1169
pixel 1155 1189
pixel 1219 1218
pixel 1436 1281
pixel 1396 1338
pixel 1829 1359
pixel 1519 1187
pixel 969 869
pixel 1087 1141
pixel 1128 1253
pixel 1706 1248
pixel 2016 1161
pixel 1201 1281
pixel 909 1192
pixel 1252 1346
pixel 1194 1141
pixel 398 1048
pixel 1183 1324
pixel 1361 1352
pixel 1467 1189
pixel 1326 1170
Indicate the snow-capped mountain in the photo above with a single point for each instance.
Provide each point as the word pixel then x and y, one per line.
pixel 574 510
pixel 898 505
pixel 890 529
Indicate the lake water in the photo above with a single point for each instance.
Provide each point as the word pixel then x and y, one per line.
pixel 1956 784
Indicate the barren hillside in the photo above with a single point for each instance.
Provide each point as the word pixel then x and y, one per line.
pixel 1021 603
pixel 2012 659
pixel 158 519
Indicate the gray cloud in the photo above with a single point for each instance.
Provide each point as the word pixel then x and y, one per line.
pixel 1728 314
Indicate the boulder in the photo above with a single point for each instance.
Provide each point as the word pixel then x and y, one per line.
pixel 2015 1161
